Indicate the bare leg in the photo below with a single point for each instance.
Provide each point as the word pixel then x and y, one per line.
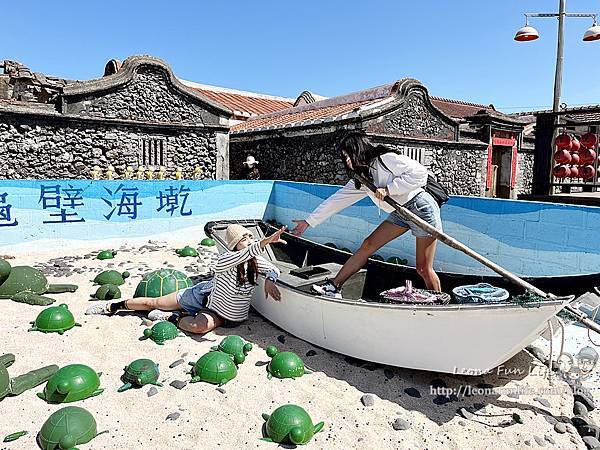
pixel 201 323
pixel 425 256
pixel 166 303
pixel 383 234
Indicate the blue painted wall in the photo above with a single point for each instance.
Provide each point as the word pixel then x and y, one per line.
pixel 34 210
pixel 525 237
pixel 529 238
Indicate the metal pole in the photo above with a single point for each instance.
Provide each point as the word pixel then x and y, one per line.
pixel 559 56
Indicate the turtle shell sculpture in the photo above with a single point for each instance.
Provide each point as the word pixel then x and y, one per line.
pixel 285 364
pixel 72 383
pixel 162 331
pixel 25 284
pixel 290 424
pixel 15 386
pixel 397 260
pixel 106 254
pixel 162 282
pixel 111 277
pixel 55 319
pixel 67 428
pixel 187 251
pixel 208 242
pixel 107 292
pixel 377 257
pixel 236 347
pixel 214 367
pixel 140 373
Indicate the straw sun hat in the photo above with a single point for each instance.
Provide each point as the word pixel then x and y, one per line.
pixel 234 234
pixel 250 161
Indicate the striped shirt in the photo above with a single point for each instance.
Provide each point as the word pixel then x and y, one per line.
pixel 227 298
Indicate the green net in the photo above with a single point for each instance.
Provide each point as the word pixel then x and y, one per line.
pixel 528 300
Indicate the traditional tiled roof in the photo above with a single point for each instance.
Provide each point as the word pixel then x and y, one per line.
pixel 583 113
pixel 347 106
pixel 243 104
pixel 458 109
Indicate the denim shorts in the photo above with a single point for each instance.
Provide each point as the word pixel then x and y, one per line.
pixel 424 206
pixel 193 299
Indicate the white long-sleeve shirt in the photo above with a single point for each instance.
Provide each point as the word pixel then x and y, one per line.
pixel 402 176
pixel 227 298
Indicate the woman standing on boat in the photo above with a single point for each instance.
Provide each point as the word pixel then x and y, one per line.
pixel 397 176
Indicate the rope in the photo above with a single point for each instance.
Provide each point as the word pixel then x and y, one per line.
pixel 593 319
pixel 551 351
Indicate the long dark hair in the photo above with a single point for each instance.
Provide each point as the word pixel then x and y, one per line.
pixel 361 151
pixel 247 275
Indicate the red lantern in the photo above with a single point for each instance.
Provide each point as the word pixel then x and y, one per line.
pixel 587 172
pixel 561 171
pixel 589 140
pixel 574 171
pixel 563 141
pixel 575 158
pixel 575 145
pixel 562 156
pixel 587 156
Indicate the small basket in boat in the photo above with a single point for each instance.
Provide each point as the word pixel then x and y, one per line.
pixel 480 293
pixel 412 296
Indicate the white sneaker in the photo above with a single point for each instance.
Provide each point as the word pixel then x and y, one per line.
pixel 99 308
pixel 157 314
pixel 327 288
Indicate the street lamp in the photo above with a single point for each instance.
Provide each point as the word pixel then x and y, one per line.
pixel 528 33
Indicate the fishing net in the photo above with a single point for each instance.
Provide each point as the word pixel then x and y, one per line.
pixel 528 300
pixel 408 295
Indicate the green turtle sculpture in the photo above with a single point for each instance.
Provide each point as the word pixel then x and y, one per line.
pixel 67 428
pixel 17 385
pixel 55 319
pixel 187 251
pixel 290 424
pixel 162 331
pixel 162 282
pixel 106 254
pixel 25 284
pixel 377 257
pixel 140 373
pixel 72 383
pixel 214 367
pixel 107 292
pixel 397 260
pixel 236 347
pixel 284 364
pixel 111 277
pixel 208 242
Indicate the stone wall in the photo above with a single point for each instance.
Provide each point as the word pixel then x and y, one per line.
pixel 37 147
pixel 313 158
pixel 147 97
pixel 524 172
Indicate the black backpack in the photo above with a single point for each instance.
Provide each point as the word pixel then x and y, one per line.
pixel 433 186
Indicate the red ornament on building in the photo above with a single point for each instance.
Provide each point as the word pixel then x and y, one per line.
pixel 587 172
pixel 589 140
pixel 575 145
pixel 574 172
pixel 561 171
pixel 575 158
pixel 562 156
pixel 563 141
pixel 587 156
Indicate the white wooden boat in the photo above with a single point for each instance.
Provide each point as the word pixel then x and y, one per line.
pixel 463 339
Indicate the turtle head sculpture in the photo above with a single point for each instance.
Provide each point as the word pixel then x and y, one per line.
pixel 25 284
pixel 15 386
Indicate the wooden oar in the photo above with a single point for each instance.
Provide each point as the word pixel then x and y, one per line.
pixel 450 241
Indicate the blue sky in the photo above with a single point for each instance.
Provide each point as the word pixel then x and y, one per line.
pixel 461 49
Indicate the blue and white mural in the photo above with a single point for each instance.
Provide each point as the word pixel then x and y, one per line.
pixel 528 238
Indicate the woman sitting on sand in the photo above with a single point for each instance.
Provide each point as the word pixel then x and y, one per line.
pixel 397 176
pixel 222 301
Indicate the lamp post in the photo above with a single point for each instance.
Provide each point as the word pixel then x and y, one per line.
pixel 528 33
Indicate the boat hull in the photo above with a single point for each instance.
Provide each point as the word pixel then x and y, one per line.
pixel 468 340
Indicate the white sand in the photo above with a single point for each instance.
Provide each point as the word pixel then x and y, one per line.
pixel 210 419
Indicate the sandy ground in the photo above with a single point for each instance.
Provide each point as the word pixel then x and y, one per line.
pixel 209 418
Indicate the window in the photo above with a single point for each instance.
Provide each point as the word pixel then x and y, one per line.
pixel 153 152
pixel 416 153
